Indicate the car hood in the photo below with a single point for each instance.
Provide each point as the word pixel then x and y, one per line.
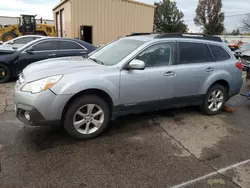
pixel 58 66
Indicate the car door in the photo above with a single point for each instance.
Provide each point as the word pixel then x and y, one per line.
pixel 193 67
pixel 37 52
pixel 71 48
pixel 154 84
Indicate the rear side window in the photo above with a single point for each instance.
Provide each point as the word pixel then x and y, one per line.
pixel 193 53
pixel 47 45
pixel 67 45
pixel 219 53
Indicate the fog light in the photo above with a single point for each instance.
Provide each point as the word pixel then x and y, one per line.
pixel 27 115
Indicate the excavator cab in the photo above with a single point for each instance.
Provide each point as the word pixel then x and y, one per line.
pixel 27 24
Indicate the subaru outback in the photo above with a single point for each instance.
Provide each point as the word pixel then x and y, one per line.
pixel 131 75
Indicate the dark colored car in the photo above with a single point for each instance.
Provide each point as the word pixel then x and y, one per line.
pixel 245 59
pixel 13 60
pixel 242 49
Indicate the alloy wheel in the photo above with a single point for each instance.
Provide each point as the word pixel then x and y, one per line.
pixel 215 100
pixel 88 119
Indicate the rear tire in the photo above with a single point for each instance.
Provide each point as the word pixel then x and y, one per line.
pixel 5 73
pixel 81 121
pixel 8 36
pixel 215 100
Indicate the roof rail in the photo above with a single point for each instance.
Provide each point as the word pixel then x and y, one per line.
pixel 137 34
pixel 189 35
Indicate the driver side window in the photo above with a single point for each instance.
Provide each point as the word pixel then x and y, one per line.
pixel 46 46
pixel 157 55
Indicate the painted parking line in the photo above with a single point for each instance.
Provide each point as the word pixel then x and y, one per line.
pixel 211 174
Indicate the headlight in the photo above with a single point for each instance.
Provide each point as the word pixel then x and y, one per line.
pixel 41 85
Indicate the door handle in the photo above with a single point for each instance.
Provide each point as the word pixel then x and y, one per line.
pixel 169 74
pixel 210 69
pixel 50 55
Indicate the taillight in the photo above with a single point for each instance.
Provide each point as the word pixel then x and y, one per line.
pixel 239 65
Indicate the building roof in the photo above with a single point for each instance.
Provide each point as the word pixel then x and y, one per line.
pixel 61 3
pixel 131 1
pixel 140 3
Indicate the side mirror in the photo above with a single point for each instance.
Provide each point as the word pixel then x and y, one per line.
pixel 30 50
pixel 137 64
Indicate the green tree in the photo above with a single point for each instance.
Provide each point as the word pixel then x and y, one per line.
pixel 236 32
pixel 210 17
pixel 168 18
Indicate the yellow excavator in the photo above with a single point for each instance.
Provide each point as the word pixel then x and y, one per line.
pixel 26 26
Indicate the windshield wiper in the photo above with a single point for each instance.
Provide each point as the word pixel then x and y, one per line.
pixel 97 61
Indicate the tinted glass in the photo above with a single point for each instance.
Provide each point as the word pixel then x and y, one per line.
pixel 194 53
pixel 219 53
pixel 24 40
pixel 67 45
pixel 48 45
pixel 157 55
pixel 116 51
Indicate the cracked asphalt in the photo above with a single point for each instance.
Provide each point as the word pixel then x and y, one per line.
pixel 172 148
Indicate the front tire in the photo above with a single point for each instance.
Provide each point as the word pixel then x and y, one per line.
pixel 86 117
pixel 8 36
pixel 5 73
pixel 215 100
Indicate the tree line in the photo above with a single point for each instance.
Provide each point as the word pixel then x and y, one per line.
pixel 209 16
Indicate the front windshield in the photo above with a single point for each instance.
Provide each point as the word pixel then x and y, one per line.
pixel 116 51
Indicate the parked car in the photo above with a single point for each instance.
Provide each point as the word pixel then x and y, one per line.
pixel 245 59
pixel 22 40
pixel 131 75
pixel 234 45
pixel 14 60
pixel 242 49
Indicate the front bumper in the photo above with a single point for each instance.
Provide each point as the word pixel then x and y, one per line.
pixel 35 117
pixel 44 108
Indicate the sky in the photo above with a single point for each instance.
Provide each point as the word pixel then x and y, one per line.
pixel 230 7
pixel 43 8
